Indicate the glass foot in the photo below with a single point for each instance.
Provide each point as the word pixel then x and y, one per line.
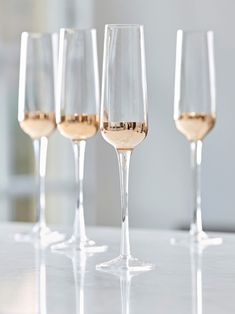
pixel 200 239
pixel 40 234
pixel 74 244
pixel 122 263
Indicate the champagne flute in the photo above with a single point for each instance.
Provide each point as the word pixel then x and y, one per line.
pixel 195 109
pixel 123 117
pixel 77 115
pixel 36 116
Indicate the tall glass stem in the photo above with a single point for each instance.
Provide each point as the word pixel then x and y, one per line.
pixel 40 153
pixel 124 162
pixel 196 157
pixel 79 224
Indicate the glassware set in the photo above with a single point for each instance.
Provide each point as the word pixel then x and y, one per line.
pixel 72 103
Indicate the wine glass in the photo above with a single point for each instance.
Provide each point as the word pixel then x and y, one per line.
pixel 195 109
pixel 123 117
pixel 77 115
pixel 36 116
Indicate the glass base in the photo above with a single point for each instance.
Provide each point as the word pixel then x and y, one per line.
pixel 201 239
pixel 122 263
pixel 40 234
pixel 74 244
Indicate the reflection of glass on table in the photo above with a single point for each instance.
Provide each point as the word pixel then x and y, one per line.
pixel 41 279
pixel 125 278
pixel 79 262
pixel 79 268
pixel 125 286
pixel 196 272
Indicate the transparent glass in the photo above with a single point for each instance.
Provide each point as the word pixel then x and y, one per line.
pixel 36 116
pixel 195 110
pixel 77 116
pixel 123 117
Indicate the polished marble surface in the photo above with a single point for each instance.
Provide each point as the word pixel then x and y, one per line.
pixel 34 280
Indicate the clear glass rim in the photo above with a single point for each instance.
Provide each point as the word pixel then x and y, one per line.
pixel 72 30
pixel 195 31
pixel 123 26
pixel 38 34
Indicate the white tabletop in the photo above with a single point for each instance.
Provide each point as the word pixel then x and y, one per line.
pixel 183 282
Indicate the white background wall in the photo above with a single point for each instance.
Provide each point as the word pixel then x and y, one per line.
pixel 160 170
